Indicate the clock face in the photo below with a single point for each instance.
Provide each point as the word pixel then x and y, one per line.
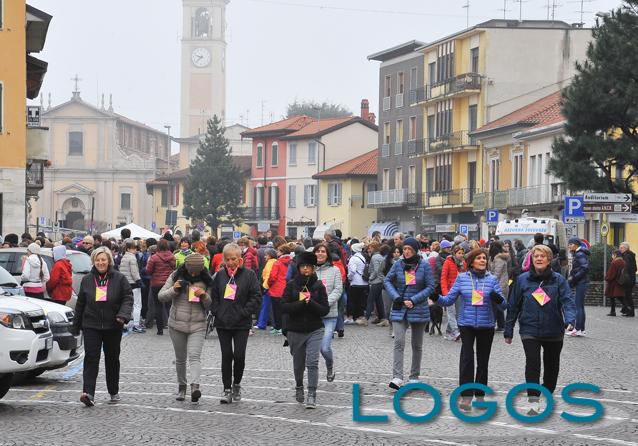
pixel 200 57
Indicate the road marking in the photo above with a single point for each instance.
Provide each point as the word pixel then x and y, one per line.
pixel 41 393
pixel 609 440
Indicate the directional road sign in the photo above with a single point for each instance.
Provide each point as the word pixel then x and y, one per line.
pixel 492 215
pixel 606 207
pixel 574 207
pixel 607 198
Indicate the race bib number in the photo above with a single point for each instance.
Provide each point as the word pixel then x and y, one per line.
pixel 410 277
pixel 100 293
pixel 304 295
pixel 192 297
pixel 230 292
pixel 541 296
pixel 325 282
pixel 477 297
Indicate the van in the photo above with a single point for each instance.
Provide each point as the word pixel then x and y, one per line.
pixel 524 229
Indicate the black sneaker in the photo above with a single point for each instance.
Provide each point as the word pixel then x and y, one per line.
pixel 330 376
pixel 227 397
pixel 299 394
pixel 340 333
pixel 115 399
pixel 87 400
pixel 236 392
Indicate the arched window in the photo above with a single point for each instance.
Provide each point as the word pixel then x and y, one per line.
pixel 201 23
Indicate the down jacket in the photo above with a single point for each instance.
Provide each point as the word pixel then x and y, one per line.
pixel 130 268
pixel 580 267
pixel 449 274
pixel 543 321
pixel 396 287
pixel 35 272
pixel 60 285
pixel 277 278
pixel 160 266
pixel 476 316
pixel 236 314
pixel 330 276
pixel 186 316
pixel 304 317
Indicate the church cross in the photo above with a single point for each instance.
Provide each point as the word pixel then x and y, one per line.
pixel 76 79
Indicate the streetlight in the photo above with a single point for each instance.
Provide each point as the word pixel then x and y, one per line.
pixel 168 175
pixel 318 109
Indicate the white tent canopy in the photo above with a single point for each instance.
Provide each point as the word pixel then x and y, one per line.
pixel 136 231
pixel 320 230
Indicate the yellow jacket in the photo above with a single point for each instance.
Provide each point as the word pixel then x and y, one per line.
pixel 266 273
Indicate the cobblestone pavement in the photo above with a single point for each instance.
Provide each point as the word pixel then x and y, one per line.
pixel 47 411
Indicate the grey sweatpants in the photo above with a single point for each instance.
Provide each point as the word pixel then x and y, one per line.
pixel 304 348
pixel 187 344
pixel 399 345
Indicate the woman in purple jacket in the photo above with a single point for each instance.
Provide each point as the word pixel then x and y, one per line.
pixel 479 292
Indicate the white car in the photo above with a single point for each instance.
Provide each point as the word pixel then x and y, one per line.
pixel 25 339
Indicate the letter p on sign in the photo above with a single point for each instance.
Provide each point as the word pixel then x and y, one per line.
pixel 574 207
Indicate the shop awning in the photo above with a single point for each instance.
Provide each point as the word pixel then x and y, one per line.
pixel 387 229
pixel 320 230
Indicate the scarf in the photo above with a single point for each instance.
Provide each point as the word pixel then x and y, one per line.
pixel 477 273
pixel 542 277
pixel 412 260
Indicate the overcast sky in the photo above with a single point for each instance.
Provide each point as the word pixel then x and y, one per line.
pixel 278 50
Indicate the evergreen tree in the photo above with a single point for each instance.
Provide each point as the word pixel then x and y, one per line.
pixel 601 109
pixel 316 110
pixel 213 186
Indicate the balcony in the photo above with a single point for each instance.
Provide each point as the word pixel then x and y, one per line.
pixel 414 200
pixel 398 148
pixel 386 103
pixel 415 147
pixel 520 197
pixel 398 101
pixel 387 198
pixel 37 143
pixel 458 86
pixel 451 141
pixel 385 150
pixel 34 177
pixel 448 198
pixel 267 213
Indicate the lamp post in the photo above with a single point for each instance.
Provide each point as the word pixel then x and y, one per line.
pixel 318 108
pixel 168 175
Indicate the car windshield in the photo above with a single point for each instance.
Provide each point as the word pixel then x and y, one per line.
pixel 80 262
pixel 6 279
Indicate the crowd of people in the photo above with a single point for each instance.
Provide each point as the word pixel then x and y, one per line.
pixel 308 291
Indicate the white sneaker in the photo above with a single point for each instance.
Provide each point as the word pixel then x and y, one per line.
pixel 572 333
pixel 396 383
pixel 348 321
pixel 534 408
pixel 581 333
pixel 414 381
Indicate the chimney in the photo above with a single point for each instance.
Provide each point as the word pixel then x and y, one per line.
pixel 365 109
pixel 372 118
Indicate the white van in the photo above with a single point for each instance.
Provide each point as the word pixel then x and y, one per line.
pixel 524 229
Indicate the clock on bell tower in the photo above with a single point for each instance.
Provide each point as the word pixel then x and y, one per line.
pixel 203 79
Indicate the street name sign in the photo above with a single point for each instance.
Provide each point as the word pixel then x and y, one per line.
pixel 607 207
pixel 606 198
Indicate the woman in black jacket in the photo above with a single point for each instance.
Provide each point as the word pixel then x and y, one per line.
pixel 103 308
pixel 235 295
pixel 305 301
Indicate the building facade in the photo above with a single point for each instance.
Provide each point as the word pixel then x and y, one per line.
pixel 100 164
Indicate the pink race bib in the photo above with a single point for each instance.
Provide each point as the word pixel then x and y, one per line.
pixel 541 296
pixel 230 292
pixel 325 282
pixel 100 293
pixel 477 297
pixel 410 277
pixel 304 295
pixel 191 294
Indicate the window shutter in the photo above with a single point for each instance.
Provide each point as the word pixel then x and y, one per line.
pixel 177 194
pixel 338 201
pixel 305 196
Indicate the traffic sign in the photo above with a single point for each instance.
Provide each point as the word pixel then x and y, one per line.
pixel 622 218
pixel 606 207
pixel 492 215
pixel 574 207
pixel 607 198
pixel 604 229
pixel 236 235
pixel 464 230
pixel 42 221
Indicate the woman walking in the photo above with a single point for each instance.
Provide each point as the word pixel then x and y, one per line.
pixel 160 266
pixel 479 292
pixel 499 267
pixel 104 306
pixel 277 285
pixel 330 276
pixel 409 284
pixel 189 290
pixel 60 285
pixel 543 304
pixel 265 313
pixel 615 290
pixel 236 296
pixel 35 273
pixel 130 269
pixel 452 267
pixel 376 285
pixel 305 303
pixel 358 289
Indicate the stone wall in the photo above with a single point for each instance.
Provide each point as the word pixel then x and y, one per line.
pixel 595 295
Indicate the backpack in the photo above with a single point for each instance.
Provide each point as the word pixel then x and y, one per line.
pixel 118 260
pixel 622 279
pixel 366 268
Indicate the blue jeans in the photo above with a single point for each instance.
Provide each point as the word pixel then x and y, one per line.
pixel 579 295
pixel 341 309
pixel 329 324
pixel 375 299
pixel 264 313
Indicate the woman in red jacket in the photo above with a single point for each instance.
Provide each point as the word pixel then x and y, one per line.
pixel 60 284
pixel 277 284
pixel 452 266
pixel 613 290
pixel 248 254
pixel 160 266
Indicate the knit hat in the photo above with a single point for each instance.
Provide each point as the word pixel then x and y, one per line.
pixel 414 244
pixel 306 258
pixel 473 254
pixel 34 248
pixel 574 241
pixel 59 252
pixel 194 263
pixel 356 247
pixel 271 252
pixel 445 244
pixel 459 239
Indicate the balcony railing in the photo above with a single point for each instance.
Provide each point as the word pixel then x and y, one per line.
pixel 414 199
pixel 260 213
pixel 385 150
pixel 388 198
pixel 398 148
pixel 415 147
pixel 399 100
pixel 454 197
pixel 520 197
pixel 451 141
pixel 463 83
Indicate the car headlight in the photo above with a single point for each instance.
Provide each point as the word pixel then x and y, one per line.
pixel 55 317
pixel 16 321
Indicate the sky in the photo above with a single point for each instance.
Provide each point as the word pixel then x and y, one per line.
pixel 278 51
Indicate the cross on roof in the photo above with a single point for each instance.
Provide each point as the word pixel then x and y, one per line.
pixel 76 79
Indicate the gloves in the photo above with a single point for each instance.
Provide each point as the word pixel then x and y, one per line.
pixel 496 298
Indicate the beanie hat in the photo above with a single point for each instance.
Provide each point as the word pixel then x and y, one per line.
pixel 357 247
pixel 445 244
pixel 34 248
pixel 59 252
pixel 194 263
pixel 306 258
pixel 574 241
pixel 459 239
pixel 413 243
pixel 473 254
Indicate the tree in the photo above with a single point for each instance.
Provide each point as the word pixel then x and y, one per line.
pixel 317 110
pixel 212 191
pixel 601 109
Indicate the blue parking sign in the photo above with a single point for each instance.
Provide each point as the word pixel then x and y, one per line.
pixel 236 235
pixel 492 215
pixel 574 207
pixel 463 229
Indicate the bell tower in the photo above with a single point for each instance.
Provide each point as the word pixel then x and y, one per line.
pixel 203 77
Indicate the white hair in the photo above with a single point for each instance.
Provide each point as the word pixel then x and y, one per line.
pixel 626 245
pixel 232 247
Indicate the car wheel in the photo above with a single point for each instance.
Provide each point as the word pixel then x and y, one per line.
pixel 5 384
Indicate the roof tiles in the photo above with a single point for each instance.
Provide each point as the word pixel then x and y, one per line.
pixel 365 164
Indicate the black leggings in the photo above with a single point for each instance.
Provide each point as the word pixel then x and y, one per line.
pixel 232 374
pixel 551 363
pixel 357 301
pixel 162 309
pixel 276 312
pixel 94 342
pixel 483 338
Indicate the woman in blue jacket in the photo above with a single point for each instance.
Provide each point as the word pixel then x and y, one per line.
pixel 479 292
pixel 543 304
pixel 409 283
